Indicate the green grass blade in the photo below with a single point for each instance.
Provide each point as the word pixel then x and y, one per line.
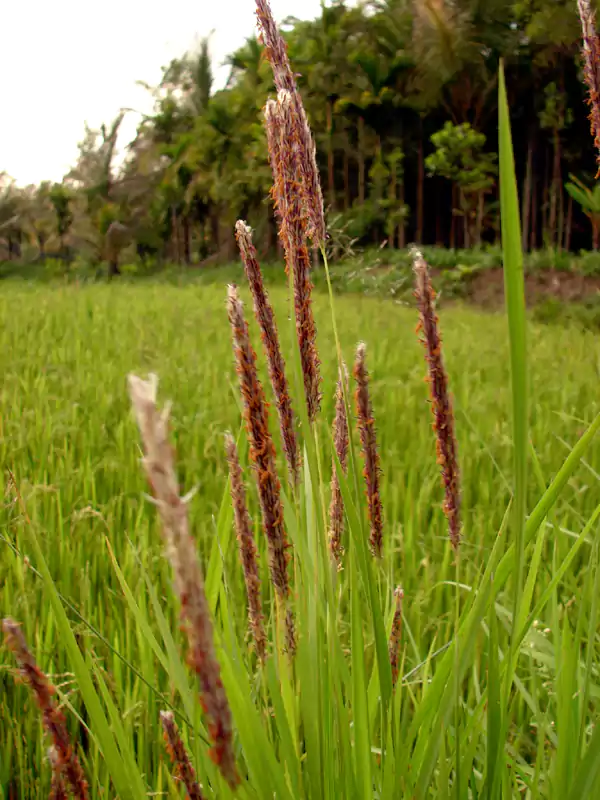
pixel 494 710
pixel 514 287
pixel 140 619
pixel 223 538
pixel 99 722
pixel 362 745
pixel 364 564
pixel 558 575
pixel 587 776
pixel 591 642
pixel 136 779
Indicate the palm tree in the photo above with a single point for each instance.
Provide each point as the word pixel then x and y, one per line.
pixel 11 216
pixel 457 46
pixel 61 198
pixel 95 180
pixel 38 215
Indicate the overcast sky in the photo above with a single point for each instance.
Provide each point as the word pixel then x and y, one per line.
pixel 68 61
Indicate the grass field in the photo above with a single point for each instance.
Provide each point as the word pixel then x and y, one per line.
pixel 67 435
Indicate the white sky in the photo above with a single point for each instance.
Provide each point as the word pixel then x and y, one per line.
pixel 67 61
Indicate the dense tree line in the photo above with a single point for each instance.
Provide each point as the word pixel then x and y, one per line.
pixel 401 95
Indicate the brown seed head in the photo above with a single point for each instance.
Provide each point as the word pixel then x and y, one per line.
pixel 370 453
pixel 270 337
pixel 279 121
pixel 262 453
pixel 247 548
pixel 441 402
pixel 64 757
pixel 273 130
pixel 179 756
pixel 591 67
pixel 308 172
pixel 58 790
pixel 340 441
pixel 396 636
pixel 159 465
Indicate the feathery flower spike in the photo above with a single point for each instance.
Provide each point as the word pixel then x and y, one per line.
pixel 441 402
pixel 312 196
pixel 64 758
pixel 58 790
pixel 247 548
pixel 266 319
pixel 591 67
pixel 273 131
pixel 179 756
pixel 262 453
pixel 279 123
pixel 396 636
pixel 159 465
pixel 336 506
pixel 368 440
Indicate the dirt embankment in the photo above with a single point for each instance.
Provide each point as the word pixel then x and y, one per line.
pixel 487 287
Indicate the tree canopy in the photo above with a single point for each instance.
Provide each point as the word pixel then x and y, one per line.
pixel 401 97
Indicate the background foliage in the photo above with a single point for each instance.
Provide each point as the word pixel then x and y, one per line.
pixel 402 99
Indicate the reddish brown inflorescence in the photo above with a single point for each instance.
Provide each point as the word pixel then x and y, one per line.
pixel 65 764
pixel 179 756
pixel 247 548
pixel 591 67
pixel 159 464
pixel 279 123
pixel 370 453
pixel 270 337
pixel 441 402
pixel 308 172
pixel 58 790
pixel 396 636
pixel 336 506
pixel 262 453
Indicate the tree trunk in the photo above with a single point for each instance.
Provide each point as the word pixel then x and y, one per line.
pixel 393 198
pixel 453 220
pixel 533 242
pixel 186 235
pixel 552 222
pixel 420 185
pixel 545 204
pixel 361 161
pixel 113 268
pixel 330 156
pixel 214 231
pixel 561 216
pixel 595 233
pixel 347 194
pixel 479 220
pixel 526 200
pixel 569 224
pixel 227 249
pixel 401 223
pixel 466 210
pixel 175 236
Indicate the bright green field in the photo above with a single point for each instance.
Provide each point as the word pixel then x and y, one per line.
pixel 67 435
